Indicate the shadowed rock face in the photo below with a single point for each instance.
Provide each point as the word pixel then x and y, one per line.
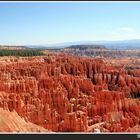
pixel 71 94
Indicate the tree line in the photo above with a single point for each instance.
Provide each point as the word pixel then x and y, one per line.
pixel 23 53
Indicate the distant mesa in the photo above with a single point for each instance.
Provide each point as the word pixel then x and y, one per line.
pixel 10 47
pixel 84 47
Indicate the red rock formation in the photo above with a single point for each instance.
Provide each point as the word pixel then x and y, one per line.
pixel 65 93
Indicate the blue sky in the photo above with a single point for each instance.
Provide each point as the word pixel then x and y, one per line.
pixel 41 23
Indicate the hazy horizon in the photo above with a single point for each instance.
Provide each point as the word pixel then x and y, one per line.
pixel 44 23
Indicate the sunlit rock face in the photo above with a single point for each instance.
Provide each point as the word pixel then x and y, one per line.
pixel 12 122
pixel 63 93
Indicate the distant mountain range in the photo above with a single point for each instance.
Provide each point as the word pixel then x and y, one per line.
pixel 122 44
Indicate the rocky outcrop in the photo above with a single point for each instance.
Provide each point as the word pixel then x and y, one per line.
pixel 12 122
pixel 71 94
